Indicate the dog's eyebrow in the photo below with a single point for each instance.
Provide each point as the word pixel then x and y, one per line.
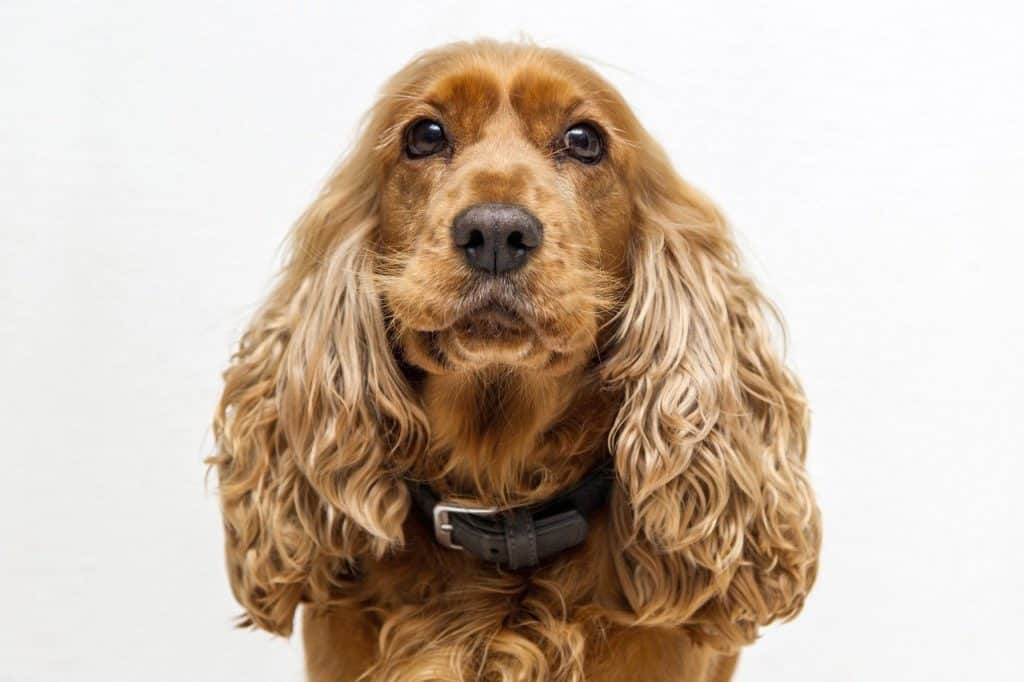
pixel 475 90
pixel 557 100
pixel 582 108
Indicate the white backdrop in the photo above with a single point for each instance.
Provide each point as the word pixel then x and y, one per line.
pixel 152 156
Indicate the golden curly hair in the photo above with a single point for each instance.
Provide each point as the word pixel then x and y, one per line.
pixel 631 331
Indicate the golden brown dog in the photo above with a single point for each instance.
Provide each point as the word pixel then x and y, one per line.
pixel 504 285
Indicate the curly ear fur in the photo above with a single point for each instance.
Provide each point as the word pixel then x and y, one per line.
pixel 316 421
pixel 717 519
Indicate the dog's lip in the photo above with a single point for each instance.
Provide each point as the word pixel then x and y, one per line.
pixel 502 301
pixel 491 319
pixel 497 300
pixel 496 313
pixel 496 310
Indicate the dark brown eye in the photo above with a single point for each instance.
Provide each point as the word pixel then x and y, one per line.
pixel 424 138
pixel 583 142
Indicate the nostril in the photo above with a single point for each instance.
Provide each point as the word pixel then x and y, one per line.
pixel 476 238
pixel 515 240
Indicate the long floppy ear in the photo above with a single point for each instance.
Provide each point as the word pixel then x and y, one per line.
pixel 316 422
pixel 717 519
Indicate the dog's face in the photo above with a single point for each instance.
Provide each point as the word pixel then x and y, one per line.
pixel 505 214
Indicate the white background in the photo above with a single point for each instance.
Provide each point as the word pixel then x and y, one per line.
pixel 152 156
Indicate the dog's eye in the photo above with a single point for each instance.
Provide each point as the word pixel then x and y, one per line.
pixel 424 138
pixel 583 142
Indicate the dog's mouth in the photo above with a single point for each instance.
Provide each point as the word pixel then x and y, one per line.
pixel 493 312
pixel 492 333
pixel 492 321
pixel 489 328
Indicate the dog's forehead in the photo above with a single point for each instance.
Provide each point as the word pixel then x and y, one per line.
pixel 540 95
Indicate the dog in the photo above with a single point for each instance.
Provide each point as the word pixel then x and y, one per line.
pixel 512 410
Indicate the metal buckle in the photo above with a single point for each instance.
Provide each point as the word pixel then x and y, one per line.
pixel 443 523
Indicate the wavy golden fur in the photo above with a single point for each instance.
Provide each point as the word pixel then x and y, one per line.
pixel 636 334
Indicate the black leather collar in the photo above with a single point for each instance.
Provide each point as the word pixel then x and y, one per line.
pixel 523 536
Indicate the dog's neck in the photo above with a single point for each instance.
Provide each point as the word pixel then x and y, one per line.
pixel 508 438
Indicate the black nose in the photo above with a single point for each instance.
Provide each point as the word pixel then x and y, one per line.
pixel 496 237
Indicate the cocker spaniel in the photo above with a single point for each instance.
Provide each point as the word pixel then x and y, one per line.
pixel 512 410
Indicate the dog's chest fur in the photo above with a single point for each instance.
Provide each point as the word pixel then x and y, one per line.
pixel 432 613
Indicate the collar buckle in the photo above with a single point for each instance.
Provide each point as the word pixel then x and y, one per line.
pixel 443 522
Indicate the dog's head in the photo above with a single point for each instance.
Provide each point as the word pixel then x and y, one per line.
pixel 504 209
